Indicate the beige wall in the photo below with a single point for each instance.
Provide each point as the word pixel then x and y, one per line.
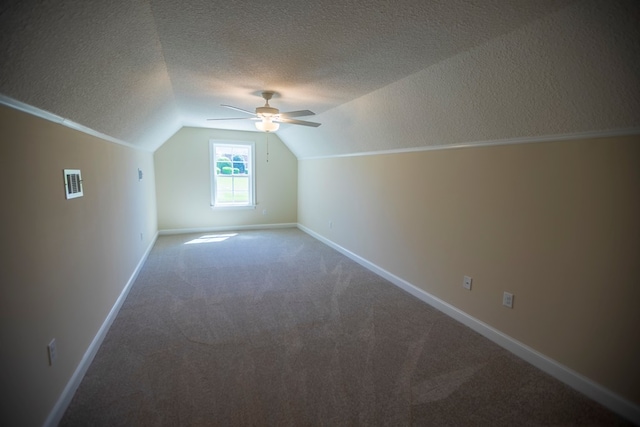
pixel 555 223
pixel 184 188
pixel 64 262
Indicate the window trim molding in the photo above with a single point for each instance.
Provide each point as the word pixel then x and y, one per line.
pixel 212 174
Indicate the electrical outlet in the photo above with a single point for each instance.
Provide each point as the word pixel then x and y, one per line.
pixel 141 236
pixel 264 211
pixel 53 353
pixel 330 224
pixel 507 299
pixel 466 283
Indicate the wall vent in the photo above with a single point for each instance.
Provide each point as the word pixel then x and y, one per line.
pixel 73 183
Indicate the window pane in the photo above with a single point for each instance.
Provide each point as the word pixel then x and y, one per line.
pixel 238 167
pixel 241 197
pixel 241 183
pixel 225 183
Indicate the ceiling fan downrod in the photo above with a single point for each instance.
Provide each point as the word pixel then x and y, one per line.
pixel 267 111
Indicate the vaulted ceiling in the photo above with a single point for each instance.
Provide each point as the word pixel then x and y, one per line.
pixel 139 70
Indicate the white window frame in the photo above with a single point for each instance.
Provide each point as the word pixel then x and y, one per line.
pixel 251 204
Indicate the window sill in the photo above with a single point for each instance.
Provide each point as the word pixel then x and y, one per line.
pixel 232 207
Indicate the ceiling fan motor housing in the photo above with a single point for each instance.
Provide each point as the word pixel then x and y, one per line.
pixel 266 111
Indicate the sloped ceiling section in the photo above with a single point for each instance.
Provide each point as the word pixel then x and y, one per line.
pixel 99 64
pixel 574 72
pixel 138 70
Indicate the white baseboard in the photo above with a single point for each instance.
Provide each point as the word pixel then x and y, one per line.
pixel 579 382
pixel 67 394
pixel 226 228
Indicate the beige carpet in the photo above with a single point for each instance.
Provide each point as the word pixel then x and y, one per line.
pixel 273 328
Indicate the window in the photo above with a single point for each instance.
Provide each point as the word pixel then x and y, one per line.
pixel 232 173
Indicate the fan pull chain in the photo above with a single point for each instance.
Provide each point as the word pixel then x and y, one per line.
pixel 267 148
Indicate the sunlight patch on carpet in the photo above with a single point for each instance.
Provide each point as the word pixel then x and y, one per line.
pixel 213 238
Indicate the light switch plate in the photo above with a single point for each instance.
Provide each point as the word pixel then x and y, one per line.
pixel 507 299
pixel 52 351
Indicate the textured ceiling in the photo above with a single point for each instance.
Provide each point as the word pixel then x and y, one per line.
pixel 572 74
pixel 138 70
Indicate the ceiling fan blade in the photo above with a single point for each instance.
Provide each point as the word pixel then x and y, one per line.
pixel 298 113
pixel 237 118
pixel 238 109
pixel 298 122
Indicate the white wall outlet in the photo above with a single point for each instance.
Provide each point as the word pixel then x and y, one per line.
pixel 264 211
pixel 507 299
pixel 466 282
pixel 53 353
pixel 141 236
pixel 330 224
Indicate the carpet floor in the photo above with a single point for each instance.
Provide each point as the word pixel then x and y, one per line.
pixel 274 328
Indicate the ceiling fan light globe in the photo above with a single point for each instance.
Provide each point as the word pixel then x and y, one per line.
pixel 267 126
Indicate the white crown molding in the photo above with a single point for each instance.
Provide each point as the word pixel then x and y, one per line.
pixel 489 143
pixel 56 414
pixel 600 394
pixel 34 111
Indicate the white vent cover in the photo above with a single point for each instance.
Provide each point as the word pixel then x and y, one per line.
pixel 73 183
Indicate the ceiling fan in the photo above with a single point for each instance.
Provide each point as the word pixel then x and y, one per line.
pixel 270 117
